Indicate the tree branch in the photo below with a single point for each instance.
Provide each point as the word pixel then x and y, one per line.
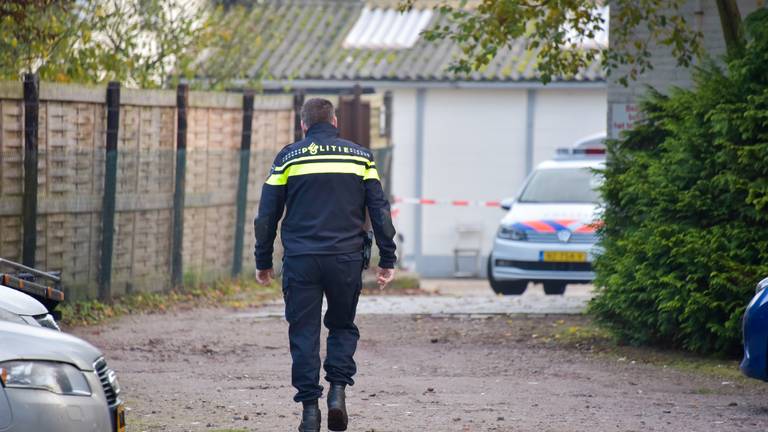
pixel 730 21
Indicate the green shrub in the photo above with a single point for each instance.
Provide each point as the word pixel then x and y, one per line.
pixel 686 213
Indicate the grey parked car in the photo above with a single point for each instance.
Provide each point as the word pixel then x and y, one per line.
pixel 52 381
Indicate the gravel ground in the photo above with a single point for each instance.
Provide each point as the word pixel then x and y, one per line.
pixel 227 370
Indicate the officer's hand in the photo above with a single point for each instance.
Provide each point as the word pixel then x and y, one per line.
pixel 264 277
pixel 385 276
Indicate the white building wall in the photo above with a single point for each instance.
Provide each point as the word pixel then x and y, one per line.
pixel 474 148
pixel 703 16
pixel 404 164
pixel 563 116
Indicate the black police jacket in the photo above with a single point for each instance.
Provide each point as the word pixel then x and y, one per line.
pixel 325 184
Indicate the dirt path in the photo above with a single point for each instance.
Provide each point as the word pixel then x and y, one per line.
pixel 224 370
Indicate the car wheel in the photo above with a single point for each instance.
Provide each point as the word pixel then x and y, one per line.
pixel 516 287
pixel 554 288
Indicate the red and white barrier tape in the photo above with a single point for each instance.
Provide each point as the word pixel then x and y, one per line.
pixel 455 203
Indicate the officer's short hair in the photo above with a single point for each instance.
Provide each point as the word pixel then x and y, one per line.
pixel 317 110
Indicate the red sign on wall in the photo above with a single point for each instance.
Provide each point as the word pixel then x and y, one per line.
pixel 623 117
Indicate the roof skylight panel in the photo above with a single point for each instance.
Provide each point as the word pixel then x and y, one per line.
pixel 387 29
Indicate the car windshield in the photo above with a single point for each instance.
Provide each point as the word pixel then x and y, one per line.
pixel 562 185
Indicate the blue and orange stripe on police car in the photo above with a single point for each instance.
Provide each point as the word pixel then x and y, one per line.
pixel 553 226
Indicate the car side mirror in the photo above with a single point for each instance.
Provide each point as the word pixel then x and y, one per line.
pixel 506 203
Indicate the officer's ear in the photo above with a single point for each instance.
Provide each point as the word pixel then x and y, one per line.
pixel 304 127
pixel 335 121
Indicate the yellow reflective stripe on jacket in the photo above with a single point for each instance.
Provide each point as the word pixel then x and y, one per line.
pixel 277 179
pixel 372 174
pixel 323 168
pixel 325 157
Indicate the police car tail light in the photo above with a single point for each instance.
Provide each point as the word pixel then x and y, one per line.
pixel 3 376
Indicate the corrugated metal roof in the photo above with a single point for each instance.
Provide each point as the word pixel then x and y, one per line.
pixel 359 40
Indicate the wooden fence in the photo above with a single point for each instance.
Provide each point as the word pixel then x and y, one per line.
pixel 198 141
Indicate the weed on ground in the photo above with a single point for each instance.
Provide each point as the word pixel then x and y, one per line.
pixel 582 334
pixel 236 294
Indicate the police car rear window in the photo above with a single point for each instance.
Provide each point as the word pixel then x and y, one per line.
pixel 562 185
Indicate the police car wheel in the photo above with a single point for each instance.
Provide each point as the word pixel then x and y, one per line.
pixel 516 287
pixel 554 288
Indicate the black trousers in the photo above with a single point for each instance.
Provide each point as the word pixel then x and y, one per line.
pixel 305 279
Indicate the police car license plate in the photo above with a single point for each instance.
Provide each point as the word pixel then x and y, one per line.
pixel 558 256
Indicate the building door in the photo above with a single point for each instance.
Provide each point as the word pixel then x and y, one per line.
pixel 354 116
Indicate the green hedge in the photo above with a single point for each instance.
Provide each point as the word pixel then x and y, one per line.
pixel 686 213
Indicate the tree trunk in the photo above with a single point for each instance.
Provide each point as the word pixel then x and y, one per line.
pixel 730 20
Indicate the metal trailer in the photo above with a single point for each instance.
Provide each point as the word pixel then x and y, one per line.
pixel 43 286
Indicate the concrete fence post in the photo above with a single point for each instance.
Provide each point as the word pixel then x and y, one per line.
pixel 110 192
pixel 182 102
pixel 242 183
pixel 29 199
pixel 298 102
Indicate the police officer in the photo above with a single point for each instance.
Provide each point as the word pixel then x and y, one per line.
pixel 325 185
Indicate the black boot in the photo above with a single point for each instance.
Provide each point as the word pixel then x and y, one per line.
pixel 310 418
pixel 337 408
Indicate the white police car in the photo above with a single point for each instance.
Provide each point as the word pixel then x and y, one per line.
pixel 548 234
